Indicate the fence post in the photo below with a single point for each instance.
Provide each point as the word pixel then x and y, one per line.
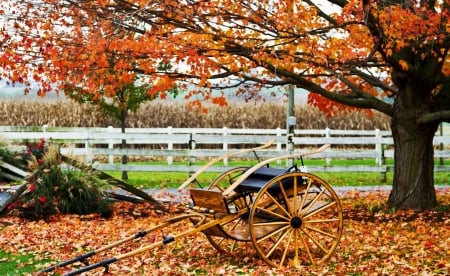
pixel 380 160
pixel 87 146
pixel 383 174
pixel 191 146
pixel 290 150
pixel 378 147
pixel 169 145
pixel 328 135
pixel 225 146
pixel 279 145
pixel 111 145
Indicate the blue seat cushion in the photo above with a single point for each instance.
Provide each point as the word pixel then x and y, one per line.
pixel 257 180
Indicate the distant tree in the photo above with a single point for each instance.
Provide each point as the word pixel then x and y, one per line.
pixel 127 98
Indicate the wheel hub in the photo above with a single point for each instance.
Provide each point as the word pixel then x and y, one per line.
pixel 296 222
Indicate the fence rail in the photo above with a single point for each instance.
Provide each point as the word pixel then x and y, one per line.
pixel 191 144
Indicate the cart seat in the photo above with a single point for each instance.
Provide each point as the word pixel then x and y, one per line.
pixel 257 180
pixel 211 201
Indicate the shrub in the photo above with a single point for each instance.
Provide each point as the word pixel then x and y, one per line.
pixel 36 151
pixel 5 155
pixel 52 189
pixel 80 194
pixel 38 201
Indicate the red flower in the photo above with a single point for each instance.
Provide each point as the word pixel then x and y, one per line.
pixel 42 199
pixel 41 144
pixel 32 188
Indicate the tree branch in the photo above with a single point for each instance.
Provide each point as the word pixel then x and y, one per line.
pixel 359 100
pixel 438 116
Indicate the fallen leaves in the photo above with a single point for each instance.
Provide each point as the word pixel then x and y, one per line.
pixel 375 241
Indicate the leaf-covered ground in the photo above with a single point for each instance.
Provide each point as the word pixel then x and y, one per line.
pixel 375 241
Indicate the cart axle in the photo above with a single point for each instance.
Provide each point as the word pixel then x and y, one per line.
pixel 296 222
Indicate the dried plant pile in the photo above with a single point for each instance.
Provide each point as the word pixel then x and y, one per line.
pixel 165 114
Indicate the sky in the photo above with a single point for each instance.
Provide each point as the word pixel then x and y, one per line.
pixel 9 92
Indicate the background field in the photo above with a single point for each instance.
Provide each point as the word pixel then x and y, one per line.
pixel 174 114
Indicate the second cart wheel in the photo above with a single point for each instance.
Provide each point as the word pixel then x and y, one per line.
pixel 237 234
pixel 296 220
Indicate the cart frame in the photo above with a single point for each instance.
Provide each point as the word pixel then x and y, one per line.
pixel 292 218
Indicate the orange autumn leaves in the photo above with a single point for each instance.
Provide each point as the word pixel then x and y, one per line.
pixel 422 30
pixel 375 241
pixel 103 45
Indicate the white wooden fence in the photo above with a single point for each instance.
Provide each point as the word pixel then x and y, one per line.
pixel 192 144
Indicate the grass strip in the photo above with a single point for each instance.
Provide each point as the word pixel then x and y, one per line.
pixel 18 264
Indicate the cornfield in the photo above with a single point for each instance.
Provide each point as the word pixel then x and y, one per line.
pixel 159 114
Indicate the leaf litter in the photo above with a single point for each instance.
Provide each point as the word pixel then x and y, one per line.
pixel 376 241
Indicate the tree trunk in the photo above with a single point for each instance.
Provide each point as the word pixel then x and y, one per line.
pixel 413 186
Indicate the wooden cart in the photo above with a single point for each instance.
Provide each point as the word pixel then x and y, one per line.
pixel 291 218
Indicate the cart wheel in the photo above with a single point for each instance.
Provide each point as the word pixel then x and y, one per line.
pixel 236 230
pixel 227 178
pixel 296 219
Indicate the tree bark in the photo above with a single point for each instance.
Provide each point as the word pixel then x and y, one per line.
pixel 413 186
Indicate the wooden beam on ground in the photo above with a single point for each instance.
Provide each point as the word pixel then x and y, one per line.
pixel 8 194
pixel 13 169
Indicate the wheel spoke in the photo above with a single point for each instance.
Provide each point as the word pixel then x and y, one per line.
pixel 308 251
pixel 277 243
pixel 286 249
pixel 272 213
pixel 311 203
pixel 321 220
pixel 295 197
pixel 221 240
pixel 315 241
pixel 272 223
pixel 285 196
pixel 296 246
pixel 271 234
pixel 318 210
pixel 305 195
pixel 218 240
pixel 223 244
pixel 282 208
pixel 219 188
pixel 231 225
pixel 321 232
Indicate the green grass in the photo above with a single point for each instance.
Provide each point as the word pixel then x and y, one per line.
pixel 175 179
pixel 17 264
pixel 162 179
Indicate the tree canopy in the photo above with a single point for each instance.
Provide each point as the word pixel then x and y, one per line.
pixel 391 56
pixel 342 50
